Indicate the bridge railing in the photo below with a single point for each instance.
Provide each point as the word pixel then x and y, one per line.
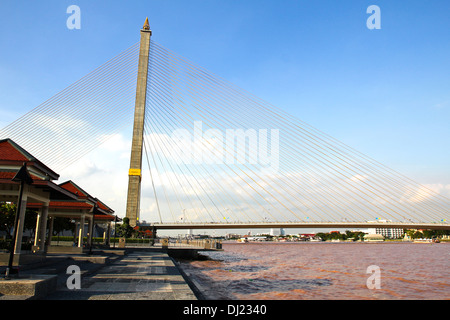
pixel 304 224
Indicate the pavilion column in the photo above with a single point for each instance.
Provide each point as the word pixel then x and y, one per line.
pixel 81 232
pixel 76 231
pixel 19 231
pixel 50 232
pixel 41 228
pixel 108 234
pixel 90 230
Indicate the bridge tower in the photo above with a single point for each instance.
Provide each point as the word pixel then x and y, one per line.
pixel 134 174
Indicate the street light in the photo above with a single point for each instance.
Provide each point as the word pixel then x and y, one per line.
pixel 23 177
pixel 115 228
pixel 91 232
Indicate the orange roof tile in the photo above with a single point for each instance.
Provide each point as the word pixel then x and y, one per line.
pixel 8 152
pixel 72 187
pixel 69 204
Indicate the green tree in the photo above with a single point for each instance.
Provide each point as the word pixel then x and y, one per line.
pixel 417 235
pixel 125 230
pixel 60 224
pixel 429 233
pixel 30 220
pixel 7 215
pixel 323 236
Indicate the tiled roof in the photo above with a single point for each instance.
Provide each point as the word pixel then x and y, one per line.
pixel 62 205
pixel 69 204
pixel 104 217
pixel 72 187
pixel 9 175
pixel 104 207
pixel 12 152
pixel 9 152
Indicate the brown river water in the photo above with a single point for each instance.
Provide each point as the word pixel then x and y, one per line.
pixel 323 270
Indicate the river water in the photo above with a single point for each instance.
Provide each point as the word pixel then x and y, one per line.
pixel 323 270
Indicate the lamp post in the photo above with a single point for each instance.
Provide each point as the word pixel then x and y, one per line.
pixel 94 211
pixel 23 177
pixel 115 228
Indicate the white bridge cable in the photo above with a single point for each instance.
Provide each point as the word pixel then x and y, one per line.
pixel 74 99
pixel 164 139
pixel 162 115
pixel 284 190
pixel 73 122
pixel 156 145
pixel 55 144
pixel 369 188
pixel 158 79
pixel 379 167
pixel 259 185
pixel 152 180
pixel 319 178
pixel 171 141
pixel 85 81
pixel 167 173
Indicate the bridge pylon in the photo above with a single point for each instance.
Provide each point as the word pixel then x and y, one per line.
pixel 134 174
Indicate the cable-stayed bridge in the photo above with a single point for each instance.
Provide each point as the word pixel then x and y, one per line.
pixel 216 156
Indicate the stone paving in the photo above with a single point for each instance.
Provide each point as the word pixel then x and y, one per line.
pixel 140 275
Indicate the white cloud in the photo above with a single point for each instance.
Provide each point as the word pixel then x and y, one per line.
pixel 104 174
pixel 442 189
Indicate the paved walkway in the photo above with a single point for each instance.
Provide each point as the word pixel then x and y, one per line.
pixel 140 275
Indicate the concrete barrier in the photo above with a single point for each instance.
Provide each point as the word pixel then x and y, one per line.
pixel 122 243
pixel 35 287
pixel 165 243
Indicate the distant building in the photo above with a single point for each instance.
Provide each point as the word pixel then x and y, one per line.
pixel 374 237
pixel 307 235
pixel 231 236
pixel 390 233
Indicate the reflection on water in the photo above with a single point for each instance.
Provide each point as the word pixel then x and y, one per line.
pixel 323 271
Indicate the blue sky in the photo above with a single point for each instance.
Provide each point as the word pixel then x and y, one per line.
pixel 384 92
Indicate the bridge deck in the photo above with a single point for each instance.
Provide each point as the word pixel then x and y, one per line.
pixel 256 225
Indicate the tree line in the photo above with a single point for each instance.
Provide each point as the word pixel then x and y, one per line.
pixel 348 235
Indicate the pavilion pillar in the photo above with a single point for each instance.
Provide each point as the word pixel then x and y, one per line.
pixel 81 232
pixel 90 230
pixel 21 222
pixel 41 228
pixel 108 233
pixel 50 231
